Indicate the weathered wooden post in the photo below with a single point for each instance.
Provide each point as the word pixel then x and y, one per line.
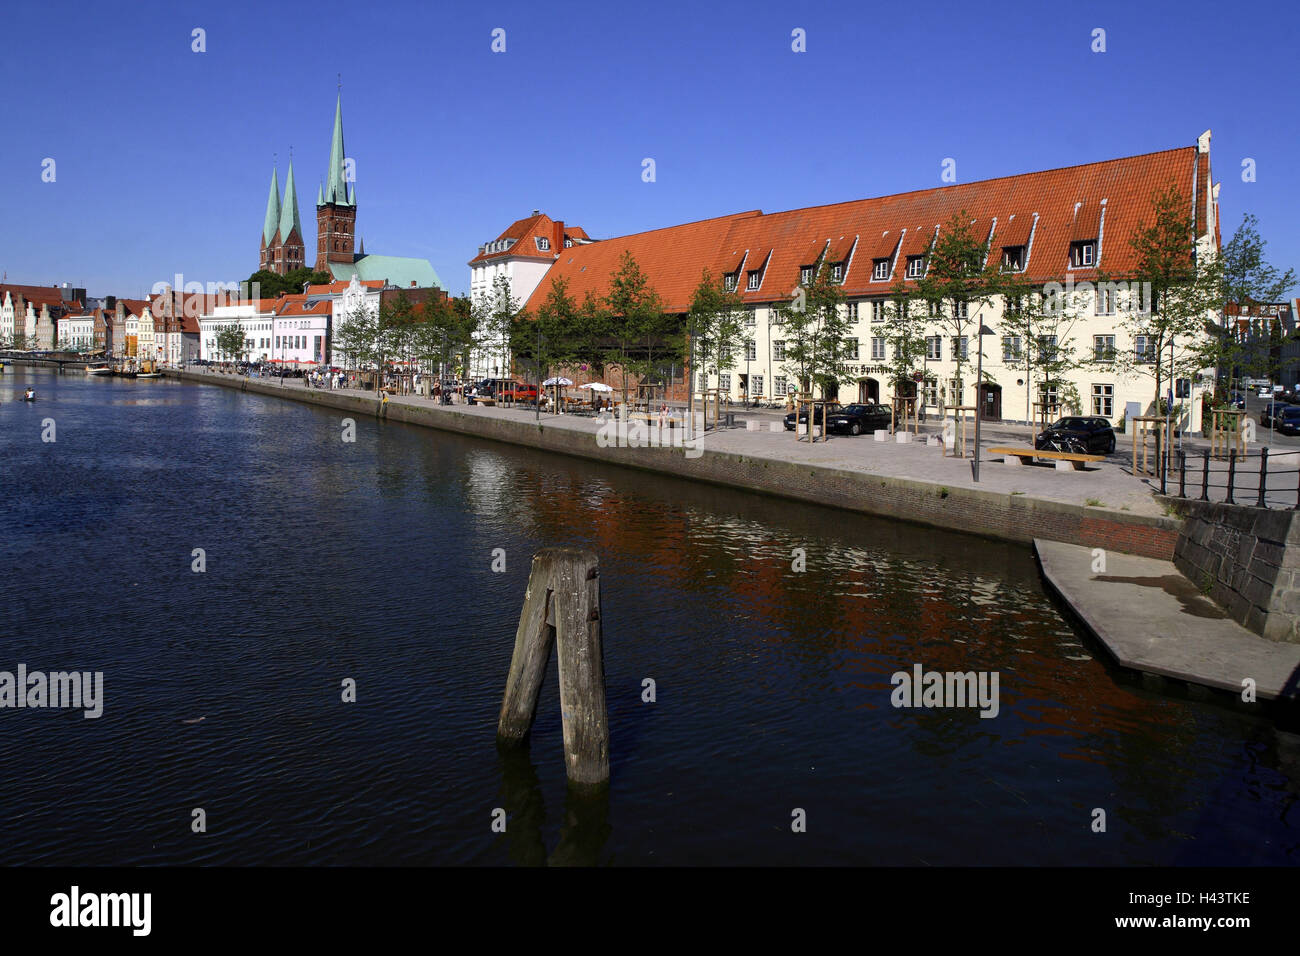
pixel 562 606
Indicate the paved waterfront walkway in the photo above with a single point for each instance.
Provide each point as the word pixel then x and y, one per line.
pixel 1154 620
pixel 1105 487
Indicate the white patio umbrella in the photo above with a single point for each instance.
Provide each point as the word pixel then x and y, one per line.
pixel 558 380
pixel 597 387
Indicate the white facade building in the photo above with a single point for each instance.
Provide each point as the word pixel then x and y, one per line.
pixel 522 255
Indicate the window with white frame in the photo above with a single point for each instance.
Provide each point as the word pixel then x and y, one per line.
pixel 806 275
pixel 934 308
pixel 756 385
pixel 930 391
pixel 1013 258
pixel 1103 348
pixel 850 350
pixel 878 348
pixel 879 270
pixel 774 314
pixel 1011 348
pixel 1103 400
pixel 751 351
pixel 934 347
pixel 780 388
pixel 837 272
pixel 1144 349
pixel 751 317
pixel 915 267
pixel 724 381
pixel 878 310
pixel 778 351
pixel 729 282
pixel 754 279
pixel 1083 254
pixel 960 311
pixel 955 391
pixel 543 243
pixel 960 348
pixel 1046 349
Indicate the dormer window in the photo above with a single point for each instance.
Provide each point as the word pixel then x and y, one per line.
pixel 755 279
pixel 729 282
pixel 915 267
pixel 543 243
pixel 1013 258
pixel 837 272
pixel 806 274
pixel 879 269
pixel 1083 254
pixel 568 243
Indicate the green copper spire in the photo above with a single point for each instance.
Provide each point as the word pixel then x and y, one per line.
pixel 272 210
pixel 336 190
pixel 320 195
pixel 289 220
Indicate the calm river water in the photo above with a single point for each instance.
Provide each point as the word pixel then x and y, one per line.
pixel 372 561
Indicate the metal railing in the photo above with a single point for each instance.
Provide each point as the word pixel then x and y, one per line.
pixel 1251 476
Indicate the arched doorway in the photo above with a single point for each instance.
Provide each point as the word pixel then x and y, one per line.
pixel 868 391
pixel 990 399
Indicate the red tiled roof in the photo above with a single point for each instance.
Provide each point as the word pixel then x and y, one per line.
pixel 134 306
pixel 1013 230
pixel 298 305
pixel 1087 222
pixel 38 295
pixel 525 232
pixel 673 258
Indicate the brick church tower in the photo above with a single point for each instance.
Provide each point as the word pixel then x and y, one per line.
pixel 336 205
pixel 282 249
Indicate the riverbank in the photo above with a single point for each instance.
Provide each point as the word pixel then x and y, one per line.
pixel 1103 508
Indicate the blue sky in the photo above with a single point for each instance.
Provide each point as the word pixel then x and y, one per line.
pixel 164 155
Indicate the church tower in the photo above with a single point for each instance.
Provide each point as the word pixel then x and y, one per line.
pixel 292 252
pixel 271 226
pixel 336 205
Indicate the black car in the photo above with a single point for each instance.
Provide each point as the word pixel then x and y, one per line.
pixel 1089 436
pixel 1287 421
pixel 832 409
pixel 1271 411
pixel 856 419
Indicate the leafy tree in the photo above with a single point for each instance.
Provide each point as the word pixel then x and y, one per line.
pixel 958 284
pixel 815 328
pixel 1247 278
pixel 715 323
pixel 271 285
pixel 494 316
pixel 905 327
pixel 231 343
pixel 639 328
pixel 1185 287
pixel 1038 332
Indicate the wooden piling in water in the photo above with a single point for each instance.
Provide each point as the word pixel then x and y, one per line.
pixel 562 607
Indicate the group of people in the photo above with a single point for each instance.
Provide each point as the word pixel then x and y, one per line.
pixel 326 379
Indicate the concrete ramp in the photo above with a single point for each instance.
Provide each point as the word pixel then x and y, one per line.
pixel 1153 619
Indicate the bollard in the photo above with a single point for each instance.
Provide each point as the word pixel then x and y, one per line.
pixel 776 426
pixel 562 607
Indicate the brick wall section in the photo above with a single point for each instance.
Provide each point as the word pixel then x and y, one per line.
pixel 1019 518
pixel 1247 560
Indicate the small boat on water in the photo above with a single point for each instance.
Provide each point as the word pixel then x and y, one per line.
pixel 29 395
pixel 148 375
pixel 99 370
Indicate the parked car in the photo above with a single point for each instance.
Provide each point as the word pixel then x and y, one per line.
pixel 1091 435
pixel 1237 400
pixel 1288 421
pixel 856 419
pixel 832 408
pixel 1272 411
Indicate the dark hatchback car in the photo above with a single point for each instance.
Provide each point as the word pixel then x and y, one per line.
pixel 856 419
pixel 1086 435
pixel 832 409
pixel 1287 421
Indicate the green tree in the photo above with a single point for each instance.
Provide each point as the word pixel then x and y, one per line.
pixel 231 342
pixel 905 327
pixel 715 322
pixel 815 328
pixel 1182 287
pixel 1247 278
pixel 271 285
pixel 639 330
pixel 1039 338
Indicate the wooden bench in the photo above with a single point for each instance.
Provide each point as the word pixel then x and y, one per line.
pixel 1025 456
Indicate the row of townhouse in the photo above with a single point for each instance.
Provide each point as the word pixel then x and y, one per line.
pixel 29 313
pixel 298 329
pixel 1070 226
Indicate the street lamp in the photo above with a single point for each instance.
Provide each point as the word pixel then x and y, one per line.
pixel 979 398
